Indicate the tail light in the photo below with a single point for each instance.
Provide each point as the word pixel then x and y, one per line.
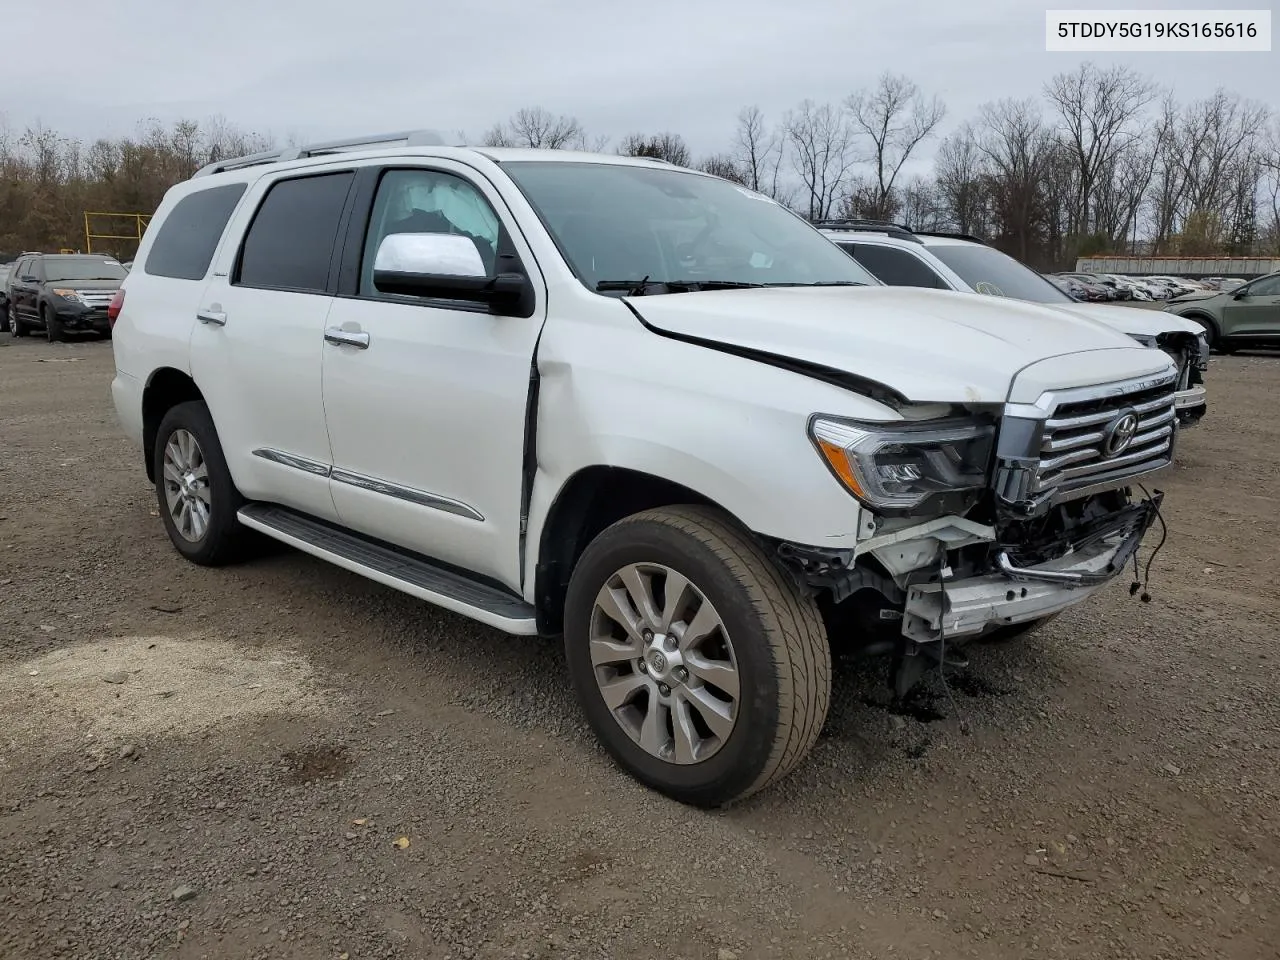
pixel 113 308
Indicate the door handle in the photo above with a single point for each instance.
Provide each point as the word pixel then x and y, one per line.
pixel 347 338
pixel 214 317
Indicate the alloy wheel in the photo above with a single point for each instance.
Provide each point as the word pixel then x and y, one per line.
pixel 664 663
pixel 186 485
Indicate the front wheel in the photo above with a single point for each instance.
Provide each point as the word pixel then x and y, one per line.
pixel 700 667
pixel 15 325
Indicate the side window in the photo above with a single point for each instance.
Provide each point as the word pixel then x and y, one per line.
pixel 19 270
pixel 188 237
pixel 289 245
pixel 897 267
pixel 1270 287
pixel 428 201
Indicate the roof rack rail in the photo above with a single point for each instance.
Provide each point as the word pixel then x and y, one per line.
pixel 869 226
pixel 952 236
pixel 409 138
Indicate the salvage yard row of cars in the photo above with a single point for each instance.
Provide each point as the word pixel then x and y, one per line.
pixel 1102 287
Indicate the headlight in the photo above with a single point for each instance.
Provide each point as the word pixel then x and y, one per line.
pixel 920 469
pixel 67 295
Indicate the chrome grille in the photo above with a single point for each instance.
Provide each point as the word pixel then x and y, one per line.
pixel 1076 446
pixel 97 298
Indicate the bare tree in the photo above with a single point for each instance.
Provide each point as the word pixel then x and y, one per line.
pixel 896 118
pixel 661 146
pixel 1017 147
pixel 960 168
pixel 758 151
pixel 1101 114
pixel 538 128
pixel 724 166
pixel 820 153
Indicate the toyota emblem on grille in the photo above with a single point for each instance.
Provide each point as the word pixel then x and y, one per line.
pixel 1119 433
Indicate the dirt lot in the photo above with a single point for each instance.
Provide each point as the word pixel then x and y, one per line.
pixel 263 736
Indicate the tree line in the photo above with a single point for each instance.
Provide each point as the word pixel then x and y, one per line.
pixel 1103 160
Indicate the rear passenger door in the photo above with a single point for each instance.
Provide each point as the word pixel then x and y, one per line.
pixel 256 350
pixel 26 290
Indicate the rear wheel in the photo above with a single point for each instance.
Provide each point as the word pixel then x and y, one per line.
pixel 198 499
pixel 52 325
pixel 699 665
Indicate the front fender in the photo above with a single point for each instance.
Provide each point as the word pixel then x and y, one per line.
pixel 732 430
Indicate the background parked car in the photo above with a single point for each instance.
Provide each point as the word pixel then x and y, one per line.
pixel 62 293
pixel 1248 315
pixel 1095 292
pixel 1072 288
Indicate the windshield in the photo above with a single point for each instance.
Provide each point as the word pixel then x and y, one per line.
pixel 620 225
pixel 82 268
pixel 989 271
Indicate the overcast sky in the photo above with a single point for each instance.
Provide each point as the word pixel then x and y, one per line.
pixel 322 68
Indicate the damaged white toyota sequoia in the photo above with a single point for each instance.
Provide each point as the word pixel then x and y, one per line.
pixel 635 406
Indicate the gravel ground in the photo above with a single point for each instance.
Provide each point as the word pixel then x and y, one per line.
pixel 282 760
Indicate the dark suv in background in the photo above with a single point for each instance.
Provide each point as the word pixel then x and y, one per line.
pixel 62 293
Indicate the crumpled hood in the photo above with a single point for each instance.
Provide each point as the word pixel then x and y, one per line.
pixel 928 345
pixel 1134 321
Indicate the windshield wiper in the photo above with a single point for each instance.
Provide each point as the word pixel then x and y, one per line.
pixel 819 283
pixel 638 288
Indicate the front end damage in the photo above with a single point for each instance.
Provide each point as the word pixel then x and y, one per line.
pixel 1059 518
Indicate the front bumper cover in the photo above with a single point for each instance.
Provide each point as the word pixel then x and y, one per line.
pixel 1018 591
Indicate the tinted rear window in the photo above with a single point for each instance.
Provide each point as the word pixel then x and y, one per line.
pixel 188 237
pixel 290 242
pixel 896 267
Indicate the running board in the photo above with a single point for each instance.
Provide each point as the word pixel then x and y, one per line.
pixel 393 567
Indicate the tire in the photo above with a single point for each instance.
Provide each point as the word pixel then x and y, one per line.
pixel 1016 631
pixel 16 326
pixel 4 319
pixel 770 636
pixel 222 539
pixel 52 326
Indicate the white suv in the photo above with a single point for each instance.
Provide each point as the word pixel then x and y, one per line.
pixel 633 405
pixel 901 257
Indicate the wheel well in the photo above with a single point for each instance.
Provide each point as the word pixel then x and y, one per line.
pixel 593 499
pixel 167 389
pixel 1204 318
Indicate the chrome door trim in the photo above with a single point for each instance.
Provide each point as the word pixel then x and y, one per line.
pixel 314 467
pixel 420 497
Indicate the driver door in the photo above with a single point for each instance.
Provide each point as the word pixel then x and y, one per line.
pixel 425 397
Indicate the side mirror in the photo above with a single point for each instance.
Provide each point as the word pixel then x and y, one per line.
pixel 442 265
pixel 1239 293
